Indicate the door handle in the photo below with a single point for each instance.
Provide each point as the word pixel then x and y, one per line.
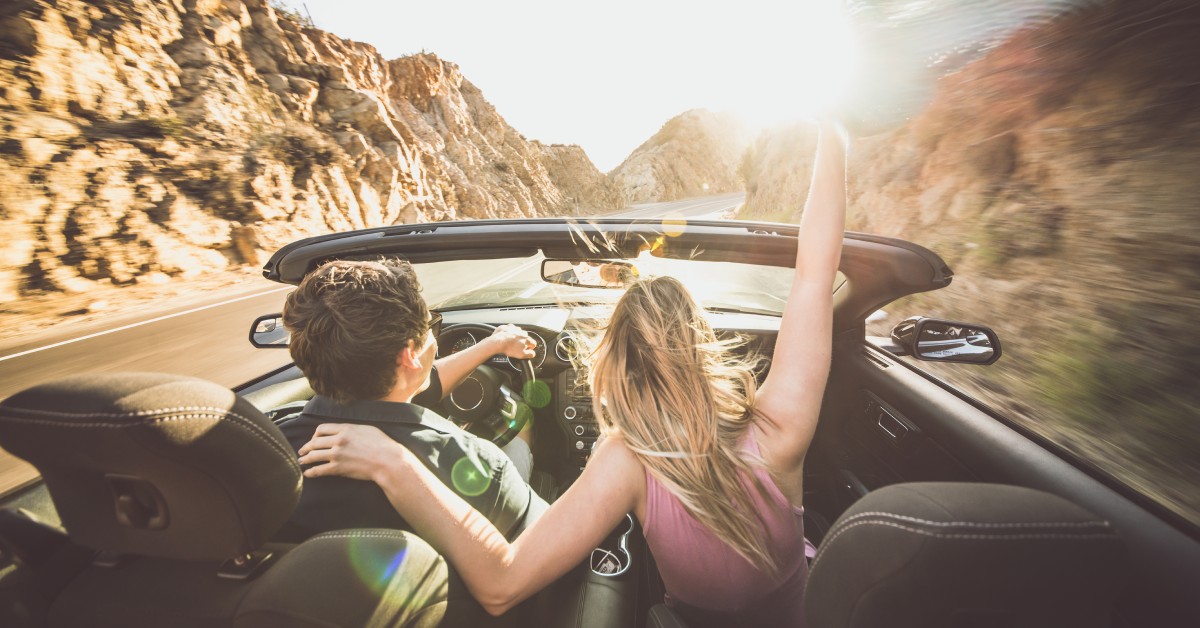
pixel 893 427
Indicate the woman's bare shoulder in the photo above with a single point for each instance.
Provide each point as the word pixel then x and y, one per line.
pixel 615 452
pixel 614 460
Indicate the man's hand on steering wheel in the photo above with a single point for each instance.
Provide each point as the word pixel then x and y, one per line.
pixel 513 342
pixel 484 396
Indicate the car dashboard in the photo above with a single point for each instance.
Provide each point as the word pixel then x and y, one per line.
pixel 565 428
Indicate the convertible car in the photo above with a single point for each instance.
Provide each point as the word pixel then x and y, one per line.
pixel 927 508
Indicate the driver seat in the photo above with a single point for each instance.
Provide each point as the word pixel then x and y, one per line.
pixel 169 488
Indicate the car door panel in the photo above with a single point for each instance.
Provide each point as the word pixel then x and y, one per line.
pixel 898 447
pixel 945 437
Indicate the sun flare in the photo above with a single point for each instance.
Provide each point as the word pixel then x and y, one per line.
pixel 797 63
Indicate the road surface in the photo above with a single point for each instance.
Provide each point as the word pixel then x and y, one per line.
pixel 205 339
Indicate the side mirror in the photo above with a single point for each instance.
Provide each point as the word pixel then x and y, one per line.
pixel 589 273
pixel 268 332
pixel 937 340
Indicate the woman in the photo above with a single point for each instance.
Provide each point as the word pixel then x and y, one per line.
pixel 711 467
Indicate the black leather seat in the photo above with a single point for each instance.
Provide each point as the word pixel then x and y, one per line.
pixel 959 555
pixel 169 487
pixel 950 555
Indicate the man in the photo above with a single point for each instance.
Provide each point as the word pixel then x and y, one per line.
pixel 365 339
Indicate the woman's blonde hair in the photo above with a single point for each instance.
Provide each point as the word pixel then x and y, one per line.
pixel 683 402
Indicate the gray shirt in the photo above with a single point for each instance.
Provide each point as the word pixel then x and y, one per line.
pixel 475 468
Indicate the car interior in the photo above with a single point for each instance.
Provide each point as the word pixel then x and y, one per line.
pixel 160 493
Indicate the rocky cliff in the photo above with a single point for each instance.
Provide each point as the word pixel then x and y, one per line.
pixel 145 139
pixel 1056 176
pixel 584 189
pixel 694 154
pixel 775 170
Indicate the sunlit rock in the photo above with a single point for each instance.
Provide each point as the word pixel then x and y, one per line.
pixel 694 154
pixel 148 138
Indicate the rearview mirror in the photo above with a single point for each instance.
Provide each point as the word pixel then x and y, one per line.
pixel 937 340
pixel 589 273
pixel 268 332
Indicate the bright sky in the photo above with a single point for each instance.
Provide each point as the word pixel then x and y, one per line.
pixel 607 75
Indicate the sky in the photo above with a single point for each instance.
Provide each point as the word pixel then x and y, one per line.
pixel 607 75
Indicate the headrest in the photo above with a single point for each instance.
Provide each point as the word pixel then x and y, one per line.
pixel 954 555
pixel 154 464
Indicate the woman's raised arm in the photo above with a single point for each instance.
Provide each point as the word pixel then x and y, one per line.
pixel 790 398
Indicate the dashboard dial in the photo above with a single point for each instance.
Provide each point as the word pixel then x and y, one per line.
pixel 463 341
pixel 539 351
pixel 567 348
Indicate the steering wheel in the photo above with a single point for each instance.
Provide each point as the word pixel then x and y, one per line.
pixel 485 401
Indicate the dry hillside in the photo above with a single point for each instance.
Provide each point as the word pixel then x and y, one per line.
pixel 694 154
pixel 1056 176
pixel 148 139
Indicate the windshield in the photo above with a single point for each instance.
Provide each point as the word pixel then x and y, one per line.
pixel 513 282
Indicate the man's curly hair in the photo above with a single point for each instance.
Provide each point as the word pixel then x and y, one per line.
pixel 349 320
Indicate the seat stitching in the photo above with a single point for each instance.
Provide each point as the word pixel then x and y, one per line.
pixel 249 426
pixel 943 535
pixel 350 534
pixel 218 414
pixel 118 415
pixel 984 537
pixel 1064 524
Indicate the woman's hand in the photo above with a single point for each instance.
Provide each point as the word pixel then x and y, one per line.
pixel 513 342
pixel 358 452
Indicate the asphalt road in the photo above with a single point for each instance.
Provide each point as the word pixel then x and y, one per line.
pixel 205 339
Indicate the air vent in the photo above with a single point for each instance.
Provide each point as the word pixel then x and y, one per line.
pixel 875 359
pixel 566 347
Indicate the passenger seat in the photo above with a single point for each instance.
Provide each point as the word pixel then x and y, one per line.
pixel 951 555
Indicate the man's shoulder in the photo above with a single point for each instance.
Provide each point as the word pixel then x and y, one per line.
pixel 298 429
pixel 405 423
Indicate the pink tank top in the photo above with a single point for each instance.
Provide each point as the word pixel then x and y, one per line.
pixel 699 569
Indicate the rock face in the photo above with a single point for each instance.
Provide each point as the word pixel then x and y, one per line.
pixel 585 189
pixel 1057 178
pixel 694 154
pixel 775 169
pixel 148 137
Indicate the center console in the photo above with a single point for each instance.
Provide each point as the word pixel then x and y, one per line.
pixel 573 413
pixel 603 591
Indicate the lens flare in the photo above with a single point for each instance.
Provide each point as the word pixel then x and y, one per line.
pixel 374 569
pixel 674 225
pixel 406 580
pixel 469 477
pixel 653 249
pixel 393 566
pixel 536 393
pixel 522 417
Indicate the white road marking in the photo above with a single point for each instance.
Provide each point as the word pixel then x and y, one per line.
pixel 139 324
pixel 639 209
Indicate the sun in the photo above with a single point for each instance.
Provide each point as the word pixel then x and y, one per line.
pixel 796 63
